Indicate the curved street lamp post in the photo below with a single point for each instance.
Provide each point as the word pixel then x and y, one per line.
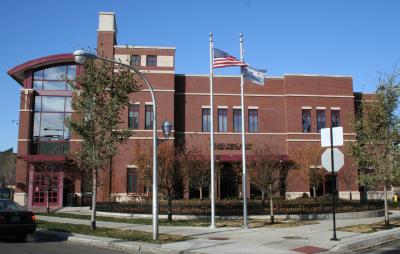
pixel 80 57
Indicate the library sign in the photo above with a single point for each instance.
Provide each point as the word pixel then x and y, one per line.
pixel 231 146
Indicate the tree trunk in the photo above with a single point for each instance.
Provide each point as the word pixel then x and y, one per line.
pixel 169 209
pixel 262 197
pixel 386 206
pixel 94 197
pixel 314 191
pixel 201 193
pixel 271 204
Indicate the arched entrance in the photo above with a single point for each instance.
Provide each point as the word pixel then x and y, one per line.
pixel 68 192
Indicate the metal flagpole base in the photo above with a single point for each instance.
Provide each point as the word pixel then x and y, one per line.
pixel 212 226
pixel 334 239
pixel 246 227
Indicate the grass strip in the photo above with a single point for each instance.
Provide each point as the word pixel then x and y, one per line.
pixel 370 228
pixel 129 235
pixel 188 223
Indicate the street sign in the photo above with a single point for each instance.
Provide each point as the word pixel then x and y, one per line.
pixel 337 136
pixel 338 159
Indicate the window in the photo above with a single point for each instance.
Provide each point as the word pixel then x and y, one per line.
pixel 237 120
pixel 50 132
pixel 253 120
pixel 206 120
pixel 54 78
pixel 135 60
pixel 133 116
pixel 132 183
pixel 320 120
pixel 151 60
pixel 222 120
pixel 306 120
pixel 335 118
pixel 149 117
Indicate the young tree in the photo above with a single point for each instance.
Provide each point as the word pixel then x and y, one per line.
pixel 377 126
pixel 308 160
pixel 99 95
pixel 195 168
pixel 265 173
pixel 169 175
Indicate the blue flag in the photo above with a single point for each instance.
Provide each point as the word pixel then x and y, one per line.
pixel 254 75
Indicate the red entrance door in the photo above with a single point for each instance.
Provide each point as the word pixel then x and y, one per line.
pixel 45 185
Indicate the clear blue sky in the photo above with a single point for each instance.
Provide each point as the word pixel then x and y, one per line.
pixel 342 37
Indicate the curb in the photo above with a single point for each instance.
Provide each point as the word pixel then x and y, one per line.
pixel 365 243
pixel 105 242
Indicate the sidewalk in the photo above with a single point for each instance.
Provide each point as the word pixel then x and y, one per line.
pixel 304 239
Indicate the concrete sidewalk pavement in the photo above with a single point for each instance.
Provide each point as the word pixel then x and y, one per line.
pixel 303 239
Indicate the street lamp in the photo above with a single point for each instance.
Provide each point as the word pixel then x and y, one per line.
pixel 80 57
pixel 166 128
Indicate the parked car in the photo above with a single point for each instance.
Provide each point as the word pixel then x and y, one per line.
pixel 6 193
pixel 15 220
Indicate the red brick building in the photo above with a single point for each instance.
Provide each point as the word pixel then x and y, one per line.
pixel 285 113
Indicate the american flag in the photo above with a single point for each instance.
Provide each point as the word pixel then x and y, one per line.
pixel 223 59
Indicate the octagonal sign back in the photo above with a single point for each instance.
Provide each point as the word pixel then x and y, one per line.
pixel 338 159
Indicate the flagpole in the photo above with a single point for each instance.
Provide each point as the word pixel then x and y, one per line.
pixel 212 135
pixel 244 173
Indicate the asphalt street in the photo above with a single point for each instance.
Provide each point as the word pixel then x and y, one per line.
pixel 390 248
pixel 39 245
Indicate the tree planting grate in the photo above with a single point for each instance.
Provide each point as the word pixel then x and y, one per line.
pixel 295 238
pixel 218 238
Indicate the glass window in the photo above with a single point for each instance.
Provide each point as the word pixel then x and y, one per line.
pixel 253 120
pixel 151 60
pixel 306 120
pixel 54 78
pixel 135 60
pixel 320 120
pixel 206 120
pixel 38 75
pixel 237 120
pixel 132 181
pixel 71 72
pixel 149 117
pixel 133 116
pixel 49 125
pixel 55 73
pixel 222 120
pixel 335 118
pixel 53 103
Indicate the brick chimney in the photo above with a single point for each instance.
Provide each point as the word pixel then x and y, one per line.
pixel 106 34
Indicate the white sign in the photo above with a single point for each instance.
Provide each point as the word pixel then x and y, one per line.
pixel 337 136
pixel 338 160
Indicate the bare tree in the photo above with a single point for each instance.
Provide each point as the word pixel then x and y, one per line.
pixel 195 167
pixel 265 173
pixel 169 175
pixel 308 161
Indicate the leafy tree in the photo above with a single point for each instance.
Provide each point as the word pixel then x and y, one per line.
pixel 265 174
pixel 7 167
pixel 377 151
pixel 100 93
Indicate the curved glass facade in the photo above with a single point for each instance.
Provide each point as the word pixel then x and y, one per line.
pixel 50 134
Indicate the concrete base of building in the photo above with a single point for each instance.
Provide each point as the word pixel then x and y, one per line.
pixel 21 198
pixel 296 194
pixel 355 195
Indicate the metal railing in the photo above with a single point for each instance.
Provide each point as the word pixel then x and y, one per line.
pixel 234 208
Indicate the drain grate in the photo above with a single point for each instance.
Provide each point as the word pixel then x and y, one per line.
pixel 218 238
pixel 295 238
